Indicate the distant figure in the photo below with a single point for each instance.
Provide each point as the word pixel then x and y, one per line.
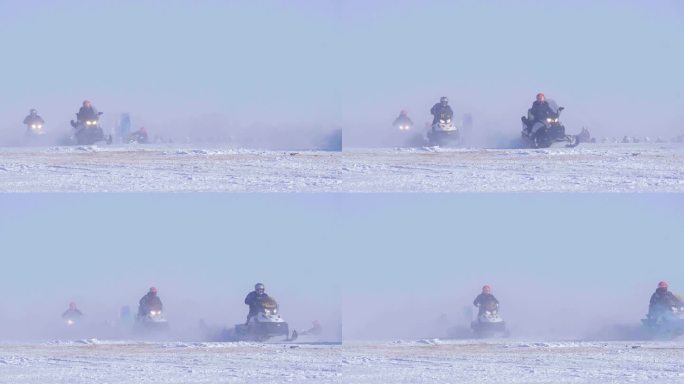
pixel 123 127
pixel 125 314
pixel 402 121
pixel 140 136
pixel 149 302
pixel 72 313
pixel 33 118
pixel 484 298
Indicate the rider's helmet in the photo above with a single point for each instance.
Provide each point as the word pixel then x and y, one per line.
pixel 153 290
pixel 143 130
pixel 259 288
pixel 662 284
pixel 72 305
pixel 487 288
pixel 87 103
pixel 402 113
pixel 33 111
pixel 540 97
pixel 443 100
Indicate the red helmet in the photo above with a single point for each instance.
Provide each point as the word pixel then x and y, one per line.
pixel 540 96
pixel 153 290
pixel 662 284
pixel 86 102
pixel 487 288
pixel 72 305
pixel 403 112
pixel 142 129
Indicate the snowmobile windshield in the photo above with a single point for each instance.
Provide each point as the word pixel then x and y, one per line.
pixel 553 105
pixel 268 303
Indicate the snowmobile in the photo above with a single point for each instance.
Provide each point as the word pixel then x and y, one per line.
pixel 542 134
pixel 667 323
pixel 264 325
pixel 71 321
pixel 153 319
pixel 444 132
pixel 35 129
pixel 404 135
pixel 489 323
pixel 403 127
pixel 89 131
pixel 137 138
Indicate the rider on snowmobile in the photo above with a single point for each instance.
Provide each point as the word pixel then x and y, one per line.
pixel 253 299
pixel 662 300
pixel 72 312
pixel 149 302
pixel 403 119
pixel 139 136
pixel 33 118
pixel 441 108
pixel 539 112
pixel 86 112
pixel 484 298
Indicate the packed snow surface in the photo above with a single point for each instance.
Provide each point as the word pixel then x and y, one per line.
pixel 94 361
pixel 586 168
pixel 437 361
pixel 168 168
pixel 429 361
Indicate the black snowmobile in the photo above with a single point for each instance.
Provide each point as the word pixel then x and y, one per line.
pixel 152 319
pixel 489 323
pixel 444 132
pixel 264 325
pixel 665 323
pixel 544 133
pixel 88 131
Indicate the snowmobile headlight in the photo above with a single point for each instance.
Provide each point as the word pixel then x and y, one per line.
pixel 70 322
pixel 448 121
pixel 549 120
pixel 555 120
pixel 153 313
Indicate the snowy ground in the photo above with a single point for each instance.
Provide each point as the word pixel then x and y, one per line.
pixel 587 168
pixel 92 361
pixel 422 361
pixel 435 361
pixel 166 169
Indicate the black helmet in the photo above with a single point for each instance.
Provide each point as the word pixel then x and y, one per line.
pixel 33 111
pixel 443 100
pixel 259 287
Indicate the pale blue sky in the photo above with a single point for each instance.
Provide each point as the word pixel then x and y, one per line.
pixel 425 254
pixel 614 64
pixel 203 252
pixel 250 61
